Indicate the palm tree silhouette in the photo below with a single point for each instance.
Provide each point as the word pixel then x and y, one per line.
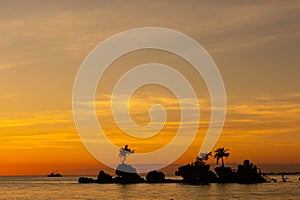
pixel 220 153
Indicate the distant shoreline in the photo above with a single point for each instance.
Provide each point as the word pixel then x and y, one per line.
pixel 279 173
pixel 168 175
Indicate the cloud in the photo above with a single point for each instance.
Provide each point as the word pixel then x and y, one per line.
pixel 272 117
pixel 36 118
pixel 52 140
pixel 8 96
pixel 261 120
pixel 38 130
pixel 14 64
pixel 79 27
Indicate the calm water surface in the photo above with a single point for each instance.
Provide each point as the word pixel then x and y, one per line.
pixel 68 188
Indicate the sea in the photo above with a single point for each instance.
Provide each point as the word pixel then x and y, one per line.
pixel 38 187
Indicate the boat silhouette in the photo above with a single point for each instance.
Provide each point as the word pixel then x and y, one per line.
pixel 54 174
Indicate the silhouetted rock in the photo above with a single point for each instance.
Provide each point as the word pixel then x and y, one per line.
pixel 247 173
pixel 226 175
pixel 155 177
pixel 127 174
pixel 104 177
pixel 86 180
pixel 196 174
pixel 124 169
pixel 134 178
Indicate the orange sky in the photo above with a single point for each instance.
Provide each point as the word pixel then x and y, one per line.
pixel 255 45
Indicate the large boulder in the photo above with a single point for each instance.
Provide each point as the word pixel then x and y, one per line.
pixel 86 180
pixel 155 177
pixel 226 175
pixel 127 174
pixel 247 173
pixel 124 170
pixel 196 174
pixel 104 177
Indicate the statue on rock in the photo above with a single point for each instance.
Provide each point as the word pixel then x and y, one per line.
pixel 124 152
pixel 125 172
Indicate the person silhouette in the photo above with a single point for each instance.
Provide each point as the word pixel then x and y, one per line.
pixel 283 178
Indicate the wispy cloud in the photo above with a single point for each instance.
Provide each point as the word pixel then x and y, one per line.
pixel 14 64
pixel 38 130
pixel 266 120
pixel 36 118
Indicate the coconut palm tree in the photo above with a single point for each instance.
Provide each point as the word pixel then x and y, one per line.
pixel 220 153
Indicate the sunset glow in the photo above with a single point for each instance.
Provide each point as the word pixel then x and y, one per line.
pixel 256 48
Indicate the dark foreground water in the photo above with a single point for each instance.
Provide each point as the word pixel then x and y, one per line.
pixel 68 188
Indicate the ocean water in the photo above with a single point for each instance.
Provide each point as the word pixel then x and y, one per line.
pixel 68 188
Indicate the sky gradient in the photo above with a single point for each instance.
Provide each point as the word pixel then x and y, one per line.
pixel 255 44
